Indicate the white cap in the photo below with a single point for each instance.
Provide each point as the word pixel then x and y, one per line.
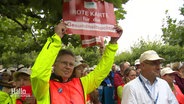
pixel 93 67
pixel 20 67
pixel 22 70
pixel 5 71
pixel 150 55
pixel 137 62
pixel 2 70
pixel 12 69
pixel 78 63
pixel 1 67
pixel 166 70
pixel 78 58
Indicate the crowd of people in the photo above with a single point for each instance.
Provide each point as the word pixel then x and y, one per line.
pixel 148 81
pixel 15 86
pixel 60 77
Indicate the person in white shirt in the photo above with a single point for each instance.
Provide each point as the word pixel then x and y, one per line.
pixel 148 88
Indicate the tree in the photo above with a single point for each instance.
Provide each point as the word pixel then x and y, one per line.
pixel 173 32
pixel 168 52
pixel 172 49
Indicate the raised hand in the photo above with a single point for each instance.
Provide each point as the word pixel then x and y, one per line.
pixel 60 29
pixel 119 30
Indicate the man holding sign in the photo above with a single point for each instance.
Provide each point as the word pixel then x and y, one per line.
pixel 59 87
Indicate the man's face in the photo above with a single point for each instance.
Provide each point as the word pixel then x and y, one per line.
pixel 113 67
pixel 138 71
pixel 151 67
pixel 64 66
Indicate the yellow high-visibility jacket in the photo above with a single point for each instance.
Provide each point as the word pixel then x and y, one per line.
pixel 6 98
pixel 41 70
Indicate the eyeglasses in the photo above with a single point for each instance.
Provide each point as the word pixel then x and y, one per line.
pixel 67 63
pixel 153 63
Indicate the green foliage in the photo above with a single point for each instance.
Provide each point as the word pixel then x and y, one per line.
pixel 168 52
pixel 123 57
pixel 117 3
pixel 52 9
pixel 172 53
pixel 182 10
pixel 120 13
pixel 15 59
pixel 172 49
pixel 173 32
pixel 91 55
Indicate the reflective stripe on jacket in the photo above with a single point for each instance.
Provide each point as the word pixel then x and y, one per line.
pixel 5 98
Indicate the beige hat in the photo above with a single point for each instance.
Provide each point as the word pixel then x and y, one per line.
pixel 150 55
pixel 2 70
pixel 20 67
pixel 6 72
pixel 12 69
pixel 166 70
pixel 79 58
pixel 1 67
pixel 22 70
pixel 78 63
pixel 137 62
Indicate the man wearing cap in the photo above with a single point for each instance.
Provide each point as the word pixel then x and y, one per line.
pixel 169 75
pixel 62 89
pixel 148 88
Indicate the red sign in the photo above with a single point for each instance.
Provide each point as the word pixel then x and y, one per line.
pixel 25 92
pixel 88 41
pixel 88 17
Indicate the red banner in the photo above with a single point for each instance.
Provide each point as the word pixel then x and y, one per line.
pixel 88 17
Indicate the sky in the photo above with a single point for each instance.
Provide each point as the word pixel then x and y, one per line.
pixel 144 20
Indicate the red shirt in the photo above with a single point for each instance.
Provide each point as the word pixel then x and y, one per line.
pixel 178 94
pixel 179 82
pixel 118 80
